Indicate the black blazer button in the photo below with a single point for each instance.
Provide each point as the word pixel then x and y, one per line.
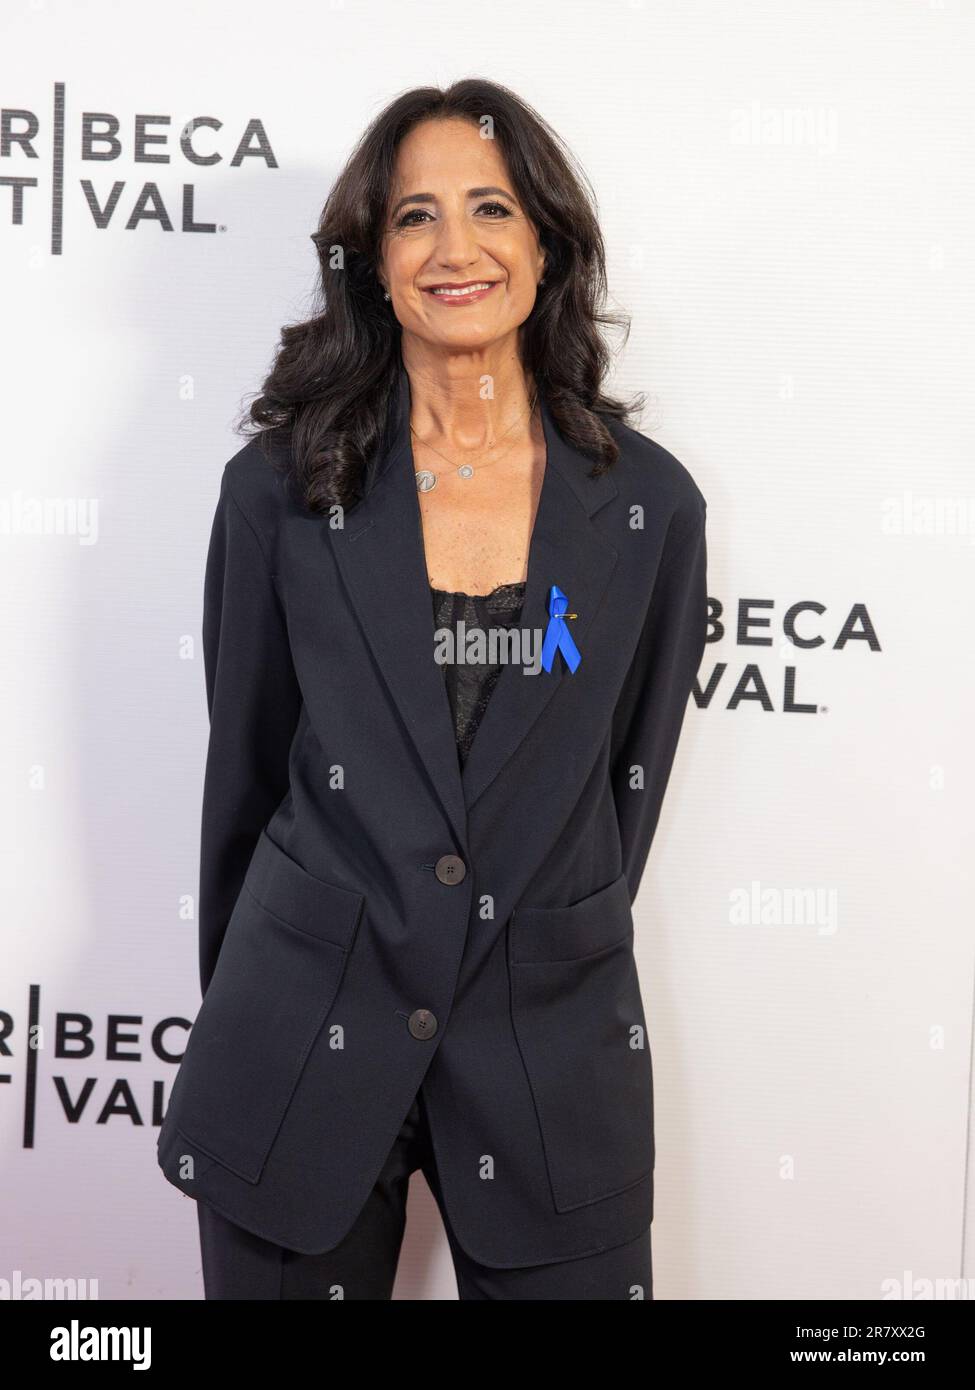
pixel 422 1024
pixel 450 869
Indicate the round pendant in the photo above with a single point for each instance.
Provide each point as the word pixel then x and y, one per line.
pixel 425 480
pixel 465 471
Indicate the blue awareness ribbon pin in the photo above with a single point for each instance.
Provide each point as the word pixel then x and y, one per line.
pixel 557 634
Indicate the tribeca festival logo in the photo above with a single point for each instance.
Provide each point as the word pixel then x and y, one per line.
pixel 78 1058
pixel 805 626
pixel 52 165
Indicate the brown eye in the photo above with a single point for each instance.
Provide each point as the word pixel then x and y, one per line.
pixel 404 221
pixel 496 207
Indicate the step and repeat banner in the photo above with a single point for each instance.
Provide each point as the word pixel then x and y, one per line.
pixel 784 196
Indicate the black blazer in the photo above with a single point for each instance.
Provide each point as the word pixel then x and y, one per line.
pixel 373 920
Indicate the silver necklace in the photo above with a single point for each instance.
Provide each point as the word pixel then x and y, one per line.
pixel 426 479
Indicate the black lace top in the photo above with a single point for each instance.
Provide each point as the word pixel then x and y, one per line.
pixel 469 684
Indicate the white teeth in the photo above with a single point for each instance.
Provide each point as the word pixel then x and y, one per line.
pixel 468 289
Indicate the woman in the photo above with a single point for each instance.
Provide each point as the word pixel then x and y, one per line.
pixel 417 876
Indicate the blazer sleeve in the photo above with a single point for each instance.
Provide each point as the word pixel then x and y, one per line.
pixel 254 703
pixel 650 711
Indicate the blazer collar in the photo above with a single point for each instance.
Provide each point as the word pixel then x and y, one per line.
pixel 383 563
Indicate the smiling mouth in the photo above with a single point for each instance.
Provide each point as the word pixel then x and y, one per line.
pixel 461 294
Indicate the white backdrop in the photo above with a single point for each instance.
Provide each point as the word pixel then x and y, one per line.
pixel 786 197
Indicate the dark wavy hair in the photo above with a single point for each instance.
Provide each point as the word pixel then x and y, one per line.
pixel 330 390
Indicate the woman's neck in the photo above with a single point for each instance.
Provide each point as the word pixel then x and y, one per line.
pixel 467 401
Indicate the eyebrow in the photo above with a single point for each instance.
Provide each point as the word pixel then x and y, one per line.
pixel 432 198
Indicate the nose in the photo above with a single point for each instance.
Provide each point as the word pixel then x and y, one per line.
pixel 456 241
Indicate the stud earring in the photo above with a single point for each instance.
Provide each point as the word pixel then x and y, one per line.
pixel 385 294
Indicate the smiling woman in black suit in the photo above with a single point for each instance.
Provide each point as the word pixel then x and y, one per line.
pixel 416 944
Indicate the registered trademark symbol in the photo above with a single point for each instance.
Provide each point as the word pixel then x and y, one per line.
pixel 221 227
pixel 824 709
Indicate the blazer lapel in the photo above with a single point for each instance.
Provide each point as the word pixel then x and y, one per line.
pixel 382 559
pixel 567 550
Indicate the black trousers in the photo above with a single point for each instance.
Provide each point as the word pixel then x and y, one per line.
pixel 240 1265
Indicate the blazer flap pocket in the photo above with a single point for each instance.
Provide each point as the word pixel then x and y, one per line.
pixel 582 928
pixel 284 888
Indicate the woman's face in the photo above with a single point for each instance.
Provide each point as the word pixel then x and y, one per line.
pixel 453 220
